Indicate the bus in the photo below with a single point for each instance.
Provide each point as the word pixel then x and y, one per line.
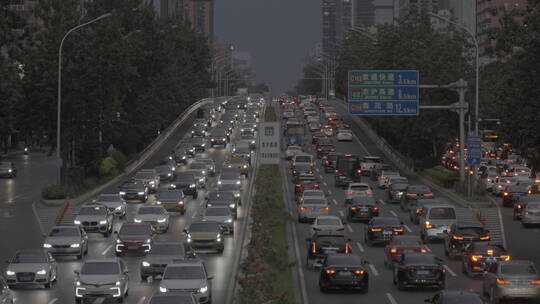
pixel 294 133
pixel 490 139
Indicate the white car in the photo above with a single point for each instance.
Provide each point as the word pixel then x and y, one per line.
pixel 292 151
pixel 355 189
pixel 156 215
pixel 313 119
pixel 327 223
pixel 501 184
pixel 311 194
pixel 344 135
pixel 490 180
pixel 382 180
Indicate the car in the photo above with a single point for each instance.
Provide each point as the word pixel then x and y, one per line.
pixel 324 146
pixel 186 149
pixel 201 122
pixel 384 178
pixel 164 172
pixel 205 235
pixel 344 135
pixel 135 237
pixel 163 253
pixel 186 182
pixel 6 295
pixel 414 192
pixel 477 257
pixel 172 200
pixel 462 233
pixel 7 169
pixel 95 218
pixel 149 178
pixel 66 240
pixel 114 202
pixel 501 183
pixel 362 208
pixel 521 203
pixel 316 193
pixel 240 163
pixel 183 275
pixel 173 298
pixel 397 180
pixel 301 169
pixel 329 161
pixel 400 244
pixel 531 214
pixel 102 278
pixel 224 198
pixel 291 151
pixel 180 156
pixel 220 214
pixel 198 144
pixel 219 137
pixel 511 280
pixel 315 136
pixel 199 175
pixel 416 269
pixel 324 243
pixel 455 296
pixel 435 220
pixel 156 215
pixel 346 170
pixel 241 150
pixel 247 127
pixel 313 125
pixel 233 176
pixel 369 163
pixel 419 206
pixel 344 272
pixel 31 267
pixel 355 189
pixel 210 165
pixel 311 208
pixel 303 183
pixel 381 229
pixel 133 191
pixel 327 223
pixel 394 192
pixel 199 131
pixel 512 194
pixel 302 158
pixel 249 138
pixel 327 130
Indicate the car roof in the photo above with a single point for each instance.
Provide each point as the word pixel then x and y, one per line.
pixel 107 260
pixel 469 224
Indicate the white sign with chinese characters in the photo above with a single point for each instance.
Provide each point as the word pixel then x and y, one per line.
pixel 269 143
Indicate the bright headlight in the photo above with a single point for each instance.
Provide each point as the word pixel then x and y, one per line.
pixel 78 283
pixel 76 222
pixel 219 182
pixel 145 264
pixel 9 170
pixel 118 283
pixel 184 157
pixel 161 220
pixel 42 272
pixel 152 182
pixel 173 186
pixel 238 182
pixel 162 289
pixel 253 142
pixel 148 240
pixel 75 245
pixel 140 193
pixel 10 273
pixel 102 222
pixel 237 195
pixel 203 289
pixel 118 208
pixel 232 205
pixel 122 193
pixel 212 139
pixel 203 145
pixel 118 241
pixel 244 166
pixel 137 220
pixel 228 221
pixel 204 172
pixel 192 186
pixel 400 193
pixel 47 245
pixel 180 202
pixel 201 180
pixel 169 174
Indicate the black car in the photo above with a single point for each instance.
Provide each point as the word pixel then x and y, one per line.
pixel 7 169
pixel 476 257
pixel 461 234
pixel 414 192
pixel 324 146
pixel 133 191
pixel 219 137
pixel 224 198
pixel 323 243
pixel 362 208
pixel 512 194
pixel 521 203
pixel 329 161
pixel 135 237
pixel 395 192
pixel 187 148
pixel 186 182
pixel 163 253
pixel 180 156
pixel 315 136
pixel 416 269
pixel 198 131
pixel 165 172
pixel 454 297
pixel 345 272
pixel 381 229
pixel 198 144
pixel 346 167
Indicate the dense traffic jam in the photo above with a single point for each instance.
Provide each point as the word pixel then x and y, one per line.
pixel 140 221
pixel 321 167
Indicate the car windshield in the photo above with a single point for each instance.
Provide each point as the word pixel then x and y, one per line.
pixel 5 165
pixel 407 241
pixel 169 195
pixel 313 193
pixel 230 175
pixel 315 201
pixel 93 210
pixel 419 189
pixel 151 210
pixel 100 268
pixel 303 159
pixel 185 177
pixel 442 213
pixel 363 200
pixel 30 257
pixel 167 249
pixel 229 187
pixel 109 198
pixel 385 221
pixel 372 160
pixel 136 230
pixel 65 232
pixel 399 187
pixel 329 222
pixel 302 167
pixel 331 240
pixel 184 273
pixel 203 227
pixel 515 268
pixel 222 195
pixel 346 164
pixel 217 212
pixel 471 230
pixel 359 187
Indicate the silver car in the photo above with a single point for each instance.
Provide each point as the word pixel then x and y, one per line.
pixel 220 214
pixel 236 189
pixel 188 276
pixel 531 214
pixel 6 295
pixel 31 267
pixel 311 208
pixel 511 280
pixel 199 166
pixel 436 220
pixel 156 215
pixel 102 278
pixel 114 202
pixel 200 177
pixel 95 218
pixel 163 253
pixel 66 240
pixel 149 178
pixel 210 165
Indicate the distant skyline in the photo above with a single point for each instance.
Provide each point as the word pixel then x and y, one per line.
pixel 278 33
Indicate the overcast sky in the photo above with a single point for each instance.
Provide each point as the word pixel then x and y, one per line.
pixel 278 33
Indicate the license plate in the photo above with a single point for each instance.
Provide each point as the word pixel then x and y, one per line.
pixel 344 274
pixel 99 292
pixel 387 232
pixel 364 209
pixel 25 279
pixel 133 247
pixel 491 260
pixel 422 272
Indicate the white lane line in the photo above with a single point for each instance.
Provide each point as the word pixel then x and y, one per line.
pixel 320 175
pixel 427 248
pixel 334 201
pixel 349 228
pixel 449 270
pixel 341 213
pixel 391 298
pixel 141 300
pixel 53 301
pixel 361 144
pixel 106 250
pixel 360 247
pixel 407 227
pixel 330 192
pixel 373 270
pixel 382 202
pixel 324 183
pixel 393 213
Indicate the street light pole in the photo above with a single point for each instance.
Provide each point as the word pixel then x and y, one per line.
pixel 477 71
pixel 59 106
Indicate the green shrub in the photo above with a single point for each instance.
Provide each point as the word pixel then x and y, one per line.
pixel 108 167
pixel 120 159
pixel 56 192
pixel 270 114
pixel 442 176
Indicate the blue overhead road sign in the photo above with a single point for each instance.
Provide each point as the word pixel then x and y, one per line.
pixel 474 150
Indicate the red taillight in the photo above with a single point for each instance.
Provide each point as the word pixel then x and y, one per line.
pixel 485 238
pixel 376 229
pixel 329 271
pixel 393 250
pixel 359 272
pixel 398 229
pixel 316 229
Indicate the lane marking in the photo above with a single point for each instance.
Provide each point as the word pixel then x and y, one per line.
pixel 141 300
pixel 330 192
pixel 361 144
pixel 360 247
pixel 349 228
pixel 334 201
pixel 106 250
pixel 320 175
pixel 324 183
pixel 391 298
pixel 341 213
pixel 53 301
pixel 373 270
pixel 407 227
pixel 382 202
pixel 449 270
pixel 393 213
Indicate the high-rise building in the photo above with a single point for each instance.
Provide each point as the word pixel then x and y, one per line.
pixel 428 5
pixel 367 13
pixel 167 8
pixel 336 20
pixel 242 65
pixel 200 13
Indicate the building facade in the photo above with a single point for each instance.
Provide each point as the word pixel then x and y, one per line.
pixel 336 21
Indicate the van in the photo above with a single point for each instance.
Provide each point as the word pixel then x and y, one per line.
pixel 302 158
pixel 435 220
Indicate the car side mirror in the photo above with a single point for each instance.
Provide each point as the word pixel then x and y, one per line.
pixel 210 278
pixel 115 232
pixel 43 235
pixel 76 272
pixel 126 271
pixel 344 223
